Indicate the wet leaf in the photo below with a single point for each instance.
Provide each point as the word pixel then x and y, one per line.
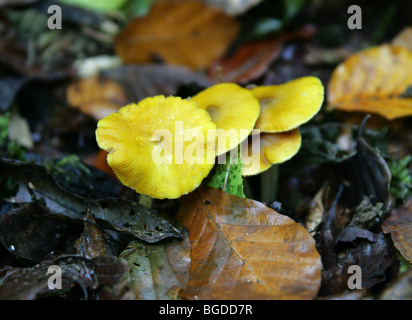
pixel 76 177
pixel 124 216
pixel 158 271
pixel 366 174
pixel 30 234
pixel 241 249
pixel 399 225
pixel 350 234
pixel 374 81
pixel 92 240
pixel 96 96
pixel 93 274
pixel 187 33
pixel 373 253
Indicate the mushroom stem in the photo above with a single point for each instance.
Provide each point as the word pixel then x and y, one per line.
pixel 269 184
pixel 146 201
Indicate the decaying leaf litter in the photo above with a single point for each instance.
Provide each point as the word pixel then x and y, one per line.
pixel 342 198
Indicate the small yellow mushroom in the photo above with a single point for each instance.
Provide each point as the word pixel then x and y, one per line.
pixel 282 109
pixel 274 148
pixel 160 147
pixel 285 107
pixel 233 109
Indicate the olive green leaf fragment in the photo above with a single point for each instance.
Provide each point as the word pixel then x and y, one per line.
pixel 158 271
pixel 228 176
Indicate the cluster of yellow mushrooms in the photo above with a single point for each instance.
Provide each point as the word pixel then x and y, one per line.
pixel 130 136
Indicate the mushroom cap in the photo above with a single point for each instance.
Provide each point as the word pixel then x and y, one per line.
pixel 285 107
pixel 274 148
pixel 233 109
pixel 173 130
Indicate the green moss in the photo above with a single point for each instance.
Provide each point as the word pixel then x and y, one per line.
pixel 4 128
pixel 404 265
pixel 9 149
pixel 401 184
pixel 228 176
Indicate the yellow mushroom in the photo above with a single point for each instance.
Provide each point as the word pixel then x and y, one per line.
pixel 160 147
pixel 233 109
pixel 282 109
pixel 285 107
pixel 273 148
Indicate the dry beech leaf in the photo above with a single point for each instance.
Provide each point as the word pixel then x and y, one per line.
pixel 96 96
pixel 242 249
pixel 249 62
pixel 399 225
pixel 404 39
pixel 186 33
pixel 375 81
pixel 252 60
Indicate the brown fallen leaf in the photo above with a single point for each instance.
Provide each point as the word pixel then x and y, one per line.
pixel 241 249
pixel 249 62
pixel 96 96
pixel 316 210
pixel 253 59
pixel 374 80
pixel 92 241
pixel 186 33
pixel 399 225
